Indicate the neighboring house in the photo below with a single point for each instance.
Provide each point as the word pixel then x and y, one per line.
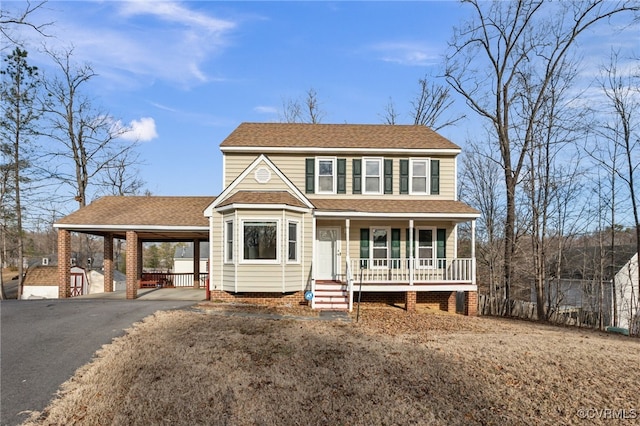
pixel 183 258
pixel 626 287
pixel 322 207
pixel 41 282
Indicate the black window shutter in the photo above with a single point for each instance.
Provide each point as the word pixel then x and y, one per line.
pixel 441 247
pixel 342 175
pixel 435 177
pixel 395 248
pixel 364 247
pixel 310 178
pixel 388 176
pixel 404 176
pixel 357 176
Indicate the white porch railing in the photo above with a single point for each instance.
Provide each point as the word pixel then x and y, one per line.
pixel 414 271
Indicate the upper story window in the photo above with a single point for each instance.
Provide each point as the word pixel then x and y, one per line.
pixel 326 176
pixel 420 176
pixel 419 180
pixel 372 175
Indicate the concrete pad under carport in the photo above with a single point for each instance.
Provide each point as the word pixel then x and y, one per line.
pixel 148 294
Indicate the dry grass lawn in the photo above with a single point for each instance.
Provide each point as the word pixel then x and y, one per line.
pixel 217 366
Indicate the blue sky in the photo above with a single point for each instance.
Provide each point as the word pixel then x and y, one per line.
pixel 185 74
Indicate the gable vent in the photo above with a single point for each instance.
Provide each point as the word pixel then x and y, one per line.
pixel 262 175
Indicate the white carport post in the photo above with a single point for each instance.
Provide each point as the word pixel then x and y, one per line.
pixel 313 262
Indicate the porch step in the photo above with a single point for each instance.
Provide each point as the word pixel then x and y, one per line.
pixel 331 295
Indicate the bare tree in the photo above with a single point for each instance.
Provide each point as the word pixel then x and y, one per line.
pixel 429 105
pixel 306 110
pixel 11 19
pixel 87 140
pixel 19 116
pixel 488 56
pixel 621 131
pixel 480 186
pixel 390 115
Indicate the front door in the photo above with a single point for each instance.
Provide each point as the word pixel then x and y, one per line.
pixel 328 253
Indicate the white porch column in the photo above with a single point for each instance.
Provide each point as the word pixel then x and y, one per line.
pixel 212 259
pixel 313 261
pixel 411 251
pixel 473 251
pixel 347 225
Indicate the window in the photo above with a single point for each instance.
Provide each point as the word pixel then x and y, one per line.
pixel 261 240
pixel 372 175
pixel 229 241
pixel 424 248
pixel 419 177
pixel 293 242
pixel 380 247
pixel 326 176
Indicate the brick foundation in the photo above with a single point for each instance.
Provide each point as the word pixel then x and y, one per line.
pixel 471 303
pixel 296 298
pixel 410 301
pixel 451 303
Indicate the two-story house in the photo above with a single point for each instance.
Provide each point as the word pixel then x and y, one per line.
pixel 325 211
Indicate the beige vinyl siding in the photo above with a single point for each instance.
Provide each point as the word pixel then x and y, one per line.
pixel 293 167
pixel 249 183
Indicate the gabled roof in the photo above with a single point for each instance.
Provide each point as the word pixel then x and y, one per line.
pixel 265 197
pixel 338 137
pixel 393 207
pixel 228 191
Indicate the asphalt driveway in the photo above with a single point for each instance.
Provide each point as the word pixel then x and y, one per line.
pixel 43 342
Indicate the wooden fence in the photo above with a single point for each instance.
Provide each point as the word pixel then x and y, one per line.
pixel 578 317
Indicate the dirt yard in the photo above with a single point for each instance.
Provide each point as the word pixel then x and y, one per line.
pixel 230 365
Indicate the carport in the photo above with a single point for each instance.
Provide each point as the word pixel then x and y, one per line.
pixel 136 220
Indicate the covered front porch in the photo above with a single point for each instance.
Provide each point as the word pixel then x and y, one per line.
pixel 391 252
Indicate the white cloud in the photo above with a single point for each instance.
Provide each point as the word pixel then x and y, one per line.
pixel 406 53
pixel 134 43
pixel 262 109
pixel 142 130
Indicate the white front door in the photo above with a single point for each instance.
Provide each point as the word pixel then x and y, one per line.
pixel 327 253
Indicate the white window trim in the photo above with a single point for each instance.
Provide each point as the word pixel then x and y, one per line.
pixel 380 162
pixel 226 246
pixel 334 164
pixel 371 247
pixel 298 230
pixel 427 162
pixel 434 247
pixel 275 261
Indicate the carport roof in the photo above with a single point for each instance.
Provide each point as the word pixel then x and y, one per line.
pixel 153 217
